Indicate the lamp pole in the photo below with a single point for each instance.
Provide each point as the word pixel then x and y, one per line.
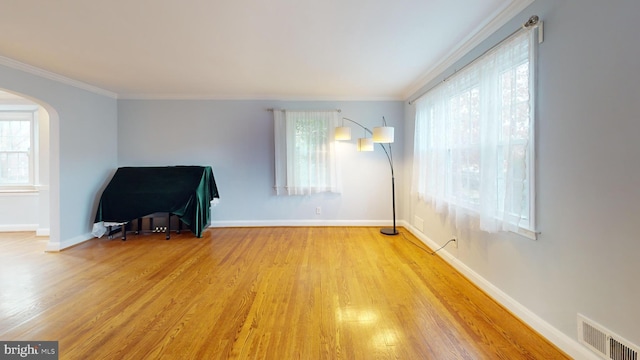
pixel 389 154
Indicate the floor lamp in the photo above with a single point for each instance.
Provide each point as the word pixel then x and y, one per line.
pixel 381 135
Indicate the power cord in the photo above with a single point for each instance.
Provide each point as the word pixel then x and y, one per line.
pixel 423 249
pixel 442 247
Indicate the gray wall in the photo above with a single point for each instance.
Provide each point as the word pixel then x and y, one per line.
pixel 588 175
pixel 83 149
pixel 236 139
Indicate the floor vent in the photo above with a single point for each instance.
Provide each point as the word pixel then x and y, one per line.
pixel 604 342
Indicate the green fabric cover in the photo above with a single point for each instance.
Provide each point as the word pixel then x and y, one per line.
pixel 185 191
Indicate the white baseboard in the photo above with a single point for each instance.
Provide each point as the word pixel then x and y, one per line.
pixel 42 232
pixel 293 223
pixel 18 227
pixel 566 343
pixel 54 246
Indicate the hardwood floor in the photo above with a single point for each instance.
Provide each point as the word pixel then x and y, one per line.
pixel 253 293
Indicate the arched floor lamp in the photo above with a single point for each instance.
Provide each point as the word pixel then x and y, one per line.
pixel 381 135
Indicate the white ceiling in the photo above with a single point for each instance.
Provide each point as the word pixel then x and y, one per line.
pixel 246 49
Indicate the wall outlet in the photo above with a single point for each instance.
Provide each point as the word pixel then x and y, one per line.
pixel 318 210
pixel 455 241
pixel 418 223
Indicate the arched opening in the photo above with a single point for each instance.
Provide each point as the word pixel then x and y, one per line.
pixel 32 191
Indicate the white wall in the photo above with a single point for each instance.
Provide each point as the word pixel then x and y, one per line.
pixel 588 175
pixel 236 139
pixel 19 211
pixel 83 147
pixel 44 165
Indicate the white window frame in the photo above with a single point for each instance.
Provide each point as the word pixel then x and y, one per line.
pixel 23 113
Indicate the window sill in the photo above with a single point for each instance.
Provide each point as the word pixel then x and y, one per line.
pixel 529 234
pixel 19 190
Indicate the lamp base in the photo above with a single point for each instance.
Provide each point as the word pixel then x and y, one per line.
pixel 389 231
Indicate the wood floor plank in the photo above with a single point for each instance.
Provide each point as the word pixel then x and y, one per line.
pixel 254 293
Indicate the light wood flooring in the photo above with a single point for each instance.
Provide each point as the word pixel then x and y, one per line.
pixel 253 293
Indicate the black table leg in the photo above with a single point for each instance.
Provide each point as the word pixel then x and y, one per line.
pixel 168 229
pixel 139 228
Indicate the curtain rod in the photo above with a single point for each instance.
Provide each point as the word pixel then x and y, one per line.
pixel 272 109
pixel 533 22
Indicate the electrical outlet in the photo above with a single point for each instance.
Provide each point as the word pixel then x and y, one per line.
pixel 318 210
pixel 455 241
pixel 418 223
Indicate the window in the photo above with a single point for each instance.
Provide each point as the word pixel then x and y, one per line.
pixel 17 139
pixel 305 156
pixel 474 140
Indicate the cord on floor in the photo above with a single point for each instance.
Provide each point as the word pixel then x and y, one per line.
pixel 423 249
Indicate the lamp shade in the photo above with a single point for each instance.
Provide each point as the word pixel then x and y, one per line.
pixel 365 144
pixel 383 134
pixel 343 133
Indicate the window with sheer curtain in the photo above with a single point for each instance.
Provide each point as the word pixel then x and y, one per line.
pixel 474 140
pixel 305 155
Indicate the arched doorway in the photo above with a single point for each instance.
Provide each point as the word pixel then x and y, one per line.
pixel 40 198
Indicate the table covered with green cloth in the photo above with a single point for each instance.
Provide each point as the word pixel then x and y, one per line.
pixel 184 191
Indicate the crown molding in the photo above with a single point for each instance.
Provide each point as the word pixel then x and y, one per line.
pixel 265 97
pixel 470 42
pixel 55 77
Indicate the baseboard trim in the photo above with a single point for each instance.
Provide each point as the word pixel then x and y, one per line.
pixel 18 227
pixel 56 246
pixel 294 223
pixel 564 342
pixel 42 232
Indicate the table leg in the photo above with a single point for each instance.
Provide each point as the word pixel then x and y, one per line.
pixel 139 228
pixel 168 226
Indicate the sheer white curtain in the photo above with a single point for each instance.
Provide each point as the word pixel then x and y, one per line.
pixel 473 141
pixel 305 155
